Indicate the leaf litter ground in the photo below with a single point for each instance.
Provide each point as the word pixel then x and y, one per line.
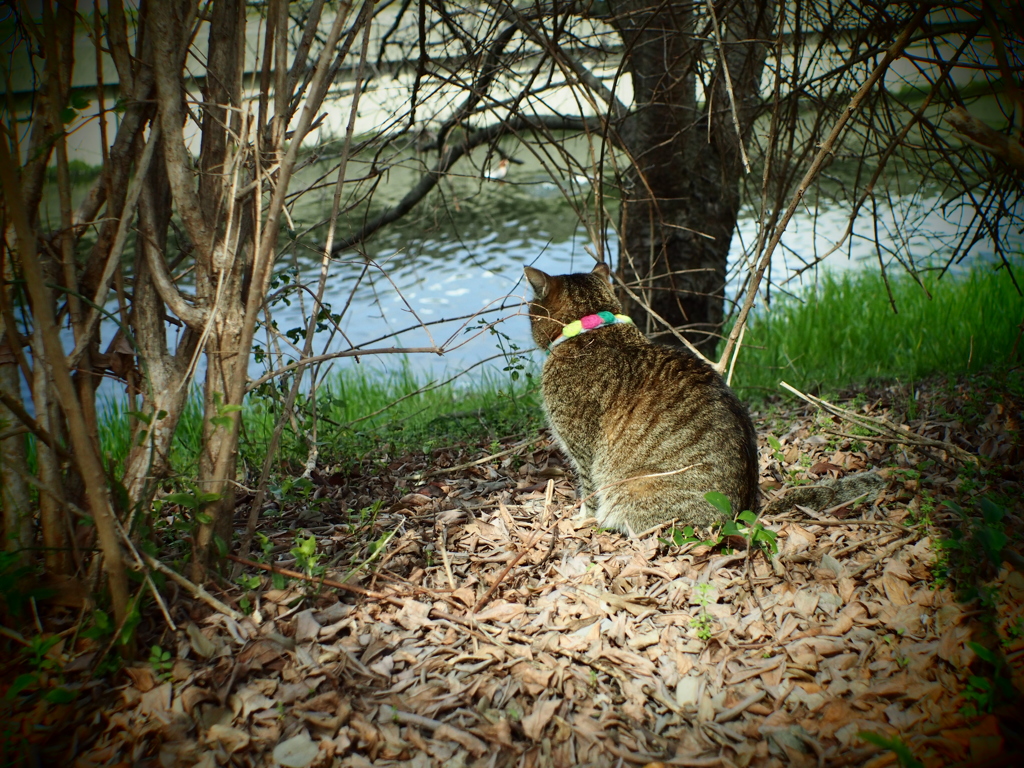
pixel 473 620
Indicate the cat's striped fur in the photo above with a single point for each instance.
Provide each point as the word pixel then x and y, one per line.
pixel 649 429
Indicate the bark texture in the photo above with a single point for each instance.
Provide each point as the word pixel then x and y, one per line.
pixel 14 493
pixel 681 195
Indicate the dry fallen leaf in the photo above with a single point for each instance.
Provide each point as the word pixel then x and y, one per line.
pixel 297 752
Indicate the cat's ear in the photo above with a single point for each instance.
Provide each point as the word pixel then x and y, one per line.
pixel 603 270
pixel 539 281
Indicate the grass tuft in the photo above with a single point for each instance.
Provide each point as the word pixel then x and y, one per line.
pixel 844 331
pixel 360 414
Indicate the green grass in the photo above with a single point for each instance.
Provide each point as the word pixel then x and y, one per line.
pixel 79 171
pixel 844 332
pixel 360 414
pixel 365 413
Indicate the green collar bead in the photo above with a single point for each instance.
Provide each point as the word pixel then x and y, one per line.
pixel 589 323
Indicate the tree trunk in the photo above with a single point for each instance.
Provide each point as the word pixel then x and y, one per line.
pixel 14 492
pixel 220 275
pixel 165 376
pixel 218 460
pixel 53 516
pixel 681 196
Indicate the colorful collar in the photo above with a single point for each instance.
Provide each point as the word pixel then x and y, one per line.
pixel 588 323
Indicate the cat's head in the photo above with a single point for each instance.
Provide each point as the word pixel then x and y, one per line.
pixel 560 299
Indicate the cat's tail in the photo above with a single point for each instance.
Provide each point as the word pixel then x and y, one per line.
pixel 832 492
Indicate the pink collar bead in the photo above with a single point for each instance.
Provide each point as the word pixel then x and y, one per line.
pixel 589 323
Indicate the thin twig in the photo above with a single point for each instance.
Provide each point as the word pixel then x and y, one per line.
pixel 724 60
pixel 371 558
pixel 501 576
pixel 827 523
pixel 394 599
pixel 195 589
pixel 114 257
pixel 824 151
pixel 882 425
pixel 33 426
pixel 445 559
pixel 887 552
pixel 857 545
pixel 447 470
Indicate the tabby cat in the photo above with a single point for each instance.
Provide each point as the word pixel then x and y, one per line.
pixel 649 429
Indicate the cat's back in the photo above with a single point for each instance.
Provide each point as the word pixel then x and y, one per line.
pixel 637 408
pixel 630 381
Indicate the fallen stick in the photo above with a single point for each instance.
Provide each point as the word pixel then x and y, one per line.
pixel 887 552
pixel 317 580
pixel 905 437
pixel 501 577
pixel 195 589
pixel 417 476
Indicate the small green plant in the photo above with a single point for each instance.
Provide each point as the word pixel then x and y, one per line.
pixel 984 694
pixel 249 582
pixel 45 678
pixel 926 508
pixel 161 662
pixel 222 420
pixel 895 745
pixel 745 525
pixel 679 537
pixel 38 652
pixel 973 548
pixel 776 446
pixel 266 545
pixel 374 547
pixel 15 584
pixel 297 490
pixel 703 622
pixel 368 515
pixel 306 557
pixel 906 474
pixel 793 477
pixel 1014 630
pixel 193 500
pixel 755 532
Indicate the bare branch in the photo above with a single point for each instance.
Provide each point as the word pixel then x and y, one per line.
pixel 812 172
pixel 166 32
pixel 980 135
pixel 450 155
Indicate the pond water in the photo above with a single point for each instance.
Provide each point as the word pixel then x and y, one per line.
pixel 463 252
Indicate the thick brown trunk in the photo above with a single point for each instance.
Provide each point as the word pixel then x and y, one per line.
pixel 681 196
pixel 53 517
pixel 14 491
pixel 219 457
